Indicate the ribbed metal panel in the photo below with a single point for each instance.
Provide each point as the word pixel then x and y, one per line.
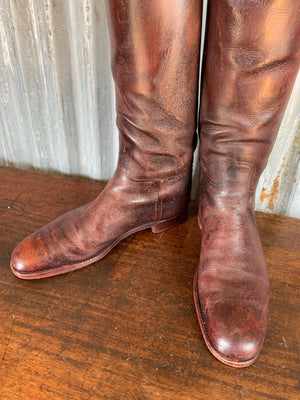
pixel 56 91
pixel 279 186
pixel 57 99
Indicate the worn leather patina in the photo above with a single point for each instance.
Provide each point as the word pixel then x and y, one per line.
pixel 252 58
pixel 155 65
pixel 251 61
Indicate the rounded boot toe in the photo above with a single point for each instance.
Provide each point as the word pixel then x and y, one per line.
pixel 28 258
pixel 235 335
pixel 236 350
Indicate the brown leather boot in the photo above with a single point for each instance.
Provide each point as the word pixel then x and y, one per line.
pixel 155 63
pixel 251 64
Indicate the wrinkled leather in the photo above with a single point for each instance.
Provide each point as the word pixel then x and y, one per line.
pixel 155 64
pixel 252 58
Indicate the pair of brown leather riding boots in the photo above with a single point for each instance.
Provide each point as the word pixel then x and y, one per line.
pixel 251 59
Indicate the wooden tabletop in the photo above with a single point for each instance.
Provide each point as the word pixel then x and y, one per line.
pixel 125 327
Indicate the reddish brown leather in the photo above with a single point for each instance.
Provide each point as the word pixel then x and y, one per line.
pixel 251 62
pixel 155 63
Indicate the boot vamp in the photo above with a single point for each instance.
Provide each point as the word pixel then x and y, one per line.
pixel 233 289
pixel 83 233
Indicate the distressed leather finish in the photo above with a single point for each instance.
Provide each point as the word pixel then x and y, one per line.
pixel 155 63
pixel 252 58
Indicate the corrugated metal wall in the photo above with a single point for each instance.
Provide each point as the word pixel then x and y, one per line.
pixel 56 91
pixel 57 101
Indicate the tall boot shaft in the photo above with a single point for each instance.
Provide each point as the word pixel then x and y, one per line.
pixel 252 59
pixel 251 63
pixel 155 63
pixel 155 55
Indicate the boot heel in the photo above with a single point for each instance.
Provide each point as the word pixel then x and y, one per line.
pixel 169 223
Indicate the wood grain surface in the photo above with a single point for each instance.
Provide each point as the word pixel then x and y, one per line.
pixel 125 327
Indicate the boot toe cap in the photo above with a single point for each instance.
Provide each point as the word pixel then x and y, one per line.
pixel 236 350
pixel 28 258
pixel 18 264
pixel 235 336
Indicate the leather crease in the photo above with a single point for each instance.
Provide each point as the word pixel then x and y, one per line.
pixel 252 58
pixel 155 65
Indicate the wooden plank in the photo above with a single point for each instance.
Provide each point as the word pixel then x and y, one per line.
pixel 125 327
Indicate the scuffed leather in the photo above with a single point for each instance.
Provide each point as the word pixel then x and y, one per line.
pixel 252 58
pixel 155 64
pixel 87 233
